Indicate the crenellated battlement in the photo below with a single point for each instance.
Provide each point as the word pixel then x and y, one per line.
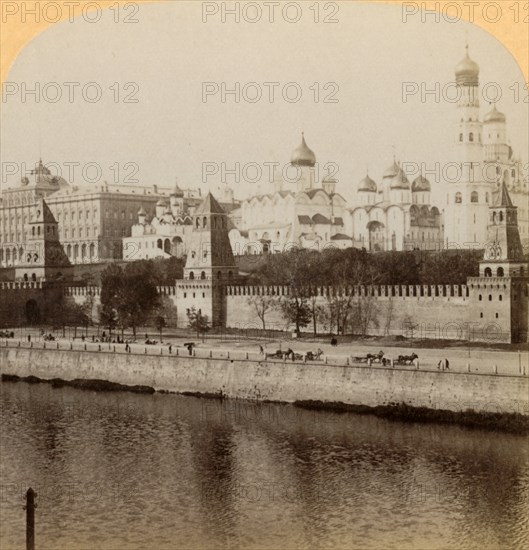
pixel 82 290
pixel 385 291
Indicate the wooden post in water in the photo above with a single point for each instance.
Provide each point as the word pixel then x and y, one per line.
pixel 30 519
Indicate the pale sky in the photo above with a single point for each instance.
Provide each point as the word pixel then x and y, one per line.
pixel 170 132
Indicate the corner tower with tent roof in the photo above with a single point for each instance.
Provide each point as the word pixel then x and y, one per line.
pixel 210 265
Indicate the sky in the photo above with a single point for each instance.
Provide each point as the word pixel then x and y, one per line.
pixel 173 132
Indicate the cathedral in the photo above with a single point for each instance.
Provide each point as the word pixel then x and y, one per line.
pixel 301 211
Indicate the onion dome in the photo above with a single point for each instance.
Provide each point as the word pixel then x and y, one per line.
pixel 141 212
pixel 400 181
pixel 494 116
pixel 177 192
pixel 467 71
pixel 367 184
pixel 420 184
pixel 392 171
pixel 302 155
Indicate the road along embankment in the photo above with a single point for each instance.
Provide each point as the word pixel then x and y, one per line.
pixel 347 387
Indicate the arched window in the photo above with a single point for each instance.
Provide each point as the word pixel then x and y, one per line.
pixel 487 198
pixel 490 297
pixel 159 244
pixel 480 297
pixel 191 275
pixel 33 277
pixel 494 217
pixel 459 198
pixel 26 278
pixel 33 231
pixel 204 222
pixel 474 196
pixel 471 137
pixel 481 315
pixel 499 272
pixel 488 272
pixel 500 297
pixel 203 275
pixel 501 216
pixel 38 230
pixel 460 137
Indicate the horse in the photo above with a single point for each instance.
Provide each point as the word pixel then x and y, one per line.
pixel 311 356
pixel 407 359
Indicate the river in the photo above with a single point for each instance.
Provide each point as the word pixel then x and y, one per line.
pixel 128 471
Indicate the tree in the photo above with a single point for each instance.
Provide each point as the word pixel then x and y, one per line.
pixel 197 321
pixel 409 325
pixel 160 324
pixel 262 304
pixel 129 295
pixel 296 310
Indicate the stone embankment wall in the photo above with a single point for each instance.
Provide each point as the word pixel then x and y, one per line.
pixel 237 377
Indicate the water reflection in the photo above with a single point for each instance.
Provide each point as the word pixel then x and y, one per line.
pixel 119 470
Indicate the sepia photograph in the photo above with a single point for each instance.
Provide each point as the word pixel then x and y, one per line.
pixel 264 275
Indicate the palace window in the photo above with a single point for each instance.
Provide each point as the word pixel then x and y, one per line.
pixel 458 198
pixel 471 137
pixel 474 196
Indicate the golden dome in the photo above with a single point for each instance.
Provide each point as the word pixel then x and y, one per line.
pixel 392 171
pixel 367 184
pixel 494 116
pixel 420 184
pixel 467 71
pixel 302 155
pixel 400 181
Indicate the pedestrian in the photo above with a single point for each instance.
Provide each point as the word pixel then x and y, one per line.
pixel 190 349
pixel 170 348
pixel 447 364
pixel 261 350
pixel 29 337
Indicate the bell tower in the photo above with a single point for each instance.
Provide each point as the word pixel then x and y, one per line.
pixel 466 207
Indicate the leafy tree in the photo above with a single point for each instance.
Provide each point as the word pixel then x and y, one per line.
pixel 129 295
pixel 197 321
pixel 296 310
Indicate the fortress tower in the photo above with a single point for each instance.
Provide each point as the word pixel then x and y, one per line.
pixel 209 266
pixel 500 293
pixel 469 192
pixel 43 251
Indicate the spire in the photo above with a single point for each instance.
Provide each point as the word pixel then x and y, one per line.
pixel 210 206
pixel 503 200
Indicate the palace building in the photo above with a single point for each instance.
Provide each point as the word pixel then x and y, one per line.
pixel 90 221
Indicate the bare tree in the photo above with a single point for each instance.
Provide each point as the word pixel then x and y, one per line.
pixel 263 304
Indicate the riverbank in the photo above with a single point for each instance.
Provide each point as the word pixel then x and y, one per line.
pixel 239 376
pixel 513 423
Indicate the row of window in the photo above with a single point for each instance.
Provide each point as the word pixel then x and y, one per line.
pixel 500 298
